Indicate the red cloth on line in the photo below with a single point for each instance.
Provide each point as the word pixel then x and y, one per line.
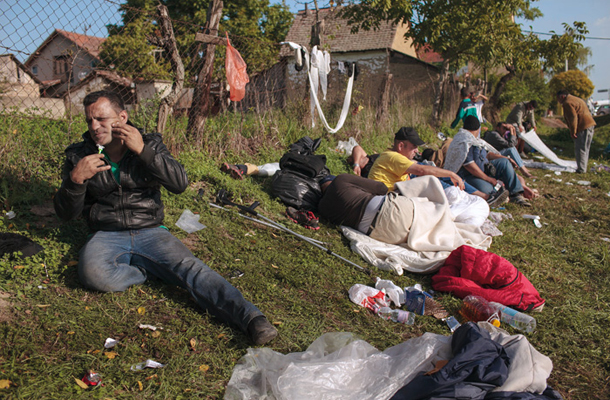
pixel 472 271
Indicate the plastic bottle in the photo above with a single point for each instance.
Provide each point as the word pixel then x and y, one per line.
pixel 402 316
pixel 476 308
pixel 514 318
pixel 395 293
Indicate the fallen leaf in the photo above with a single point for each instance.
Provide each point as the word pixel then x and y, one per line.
pixel 140 386
pixel 274 235
pixel 275 266
pixel 82 384
pixel 95 351
pixel 87 308
pixel 43 305
pixel 193 343
pixel 151 377
pixel 72 263
pixel 141 310
pixel 28 312
pixel 10 226
pixel 141 291
pixel 220 336
pixel 277 323
pixel 27 226
pixel 18 267
pixel 4 383
pixel 71 333
pixel 356 310
pixel 156 334
pixel 111 354
pixel 204 368
pixel 15 132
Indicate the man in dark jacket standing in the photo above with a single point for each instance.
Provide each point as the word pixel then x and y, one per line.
pixel 113 178
pixel 581 125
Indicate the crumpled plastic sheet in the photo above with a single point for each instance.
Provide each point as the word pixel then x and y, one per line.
pixel 467 209
pixel 389 257
pixel 338 366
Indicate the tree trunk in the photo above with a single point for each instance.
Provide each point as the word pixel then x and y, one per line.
pixel 493 109
pixel 168 42
pixel 384 102
pixel 200 106
pixel 439 94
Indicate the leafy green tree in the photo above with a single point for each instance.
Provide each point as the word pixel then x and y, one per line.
pixel 255 28
pixel 575 82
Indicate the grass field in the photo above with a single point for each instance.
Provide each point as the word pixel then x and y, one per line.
pixel 52 330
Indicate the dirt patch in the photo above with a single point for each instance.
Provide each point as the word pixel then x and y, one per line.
pixel 5 307
pixel 553 122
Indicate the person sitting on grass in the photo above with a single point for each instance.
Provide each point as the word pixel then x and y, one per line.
pixel 468 157
pixel 504 139
pixel 113 178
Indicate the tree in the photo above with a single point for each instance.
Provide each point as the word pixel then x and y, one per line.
pixel 575 82
pixel 459 30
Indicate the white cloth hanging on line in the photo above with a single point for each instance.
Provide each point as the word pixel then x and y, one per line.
pixel 315 63
pixel 324 68
pixel 314 96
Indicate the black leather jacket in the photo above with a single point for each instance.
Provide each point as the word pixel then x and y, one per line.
pixel 136 202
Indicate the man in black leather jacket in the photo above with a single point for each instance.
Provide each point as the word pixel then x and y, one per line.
pixel 113 178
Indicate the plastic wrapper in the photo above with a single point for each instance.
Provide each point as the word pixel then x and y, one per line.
pixel 346 147
pixel 189 222
pixel 395 293
pixel 367 297
pixel 335 366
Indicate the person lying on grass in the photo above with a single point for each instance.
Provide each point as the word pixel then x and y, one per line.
pixel 117 191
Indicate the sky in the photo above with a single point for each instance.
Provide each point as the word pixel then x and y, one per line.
pixel 25 24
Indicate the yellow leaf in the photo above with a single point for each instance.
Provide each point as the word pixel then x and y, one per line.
pixel 140 386
pixel 193 342
pixel 151 377
pixel 82 384
pixel 356 310
pixel 71 333
pixel 156 334
pixel 72 263
pixel 111 354
pixel 276 323
pixel 220 336
pixel 18 267
pixel 15 132
pixel 95 351
pixel 10 226
pixel 87 308
pixel 5 383
pixel 275 266
pixel 204 368
pixel 141 310
pixel 43 305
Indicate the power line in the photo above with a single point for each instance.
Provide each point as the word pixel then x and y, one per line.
pixel 551 34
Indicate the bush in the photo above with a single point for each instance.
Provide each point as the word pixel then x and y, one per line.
pixel 575 82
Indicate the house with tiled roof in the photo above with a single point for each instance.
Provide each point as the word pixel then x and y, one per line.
pixel 379 54
pixel 63 60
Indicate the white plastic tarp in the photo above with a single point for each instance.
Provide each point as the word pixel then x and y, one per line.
pixel 533 140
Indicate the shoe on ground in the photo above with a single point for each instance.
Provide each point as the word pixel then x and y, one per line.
pixel 498 197
pixel 304 218
pixel 261 331
pixel 520 200
pixel 232 170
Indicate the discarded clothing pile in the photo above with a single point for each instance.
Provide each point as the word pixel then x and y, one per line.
pixel 472 271
pixel 483 362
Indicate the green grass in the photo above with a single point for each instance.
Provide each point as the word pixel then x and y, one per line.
pixel 50 336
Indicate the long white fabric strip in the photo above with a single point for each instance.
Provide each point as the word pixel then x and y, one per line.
pixel 346 101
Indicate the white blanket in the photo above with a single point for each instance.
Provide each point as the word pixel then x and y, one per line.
pixel 338 366
pixel 533 140
pixel 433 236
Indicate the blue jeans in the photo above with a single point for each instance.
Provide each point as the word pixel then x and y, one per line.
pixel 504 172
pixel 468 188
pixel 113 261
pixel 513 153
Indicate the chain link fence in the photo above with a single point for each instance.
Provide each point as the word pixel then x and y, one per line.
pixel 53 53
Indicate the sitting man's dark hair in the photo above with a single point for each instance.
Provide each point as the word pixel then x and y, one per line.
pixel 563 92
pixel 427 154
pixel 115 100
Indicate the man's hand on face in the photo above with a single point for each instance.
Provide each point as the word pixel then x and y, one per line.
pixel 129 136
pixel 87 167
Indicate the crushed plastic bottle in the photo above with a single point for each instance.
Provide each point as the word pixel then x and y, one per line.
pixel 475 308
pixel 402 316
pixel 514 318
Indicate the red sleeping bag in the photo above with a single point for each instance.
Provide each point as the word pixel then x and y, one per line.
pixel 472 271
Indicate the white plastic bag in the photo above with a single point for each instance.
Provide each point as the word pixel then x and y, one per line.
pixel 395 293
pixel 346 147
pixel 189 222
pixel 367 297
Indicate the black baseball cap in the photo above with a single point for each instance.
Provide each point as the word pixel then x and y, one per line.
pixel 409 134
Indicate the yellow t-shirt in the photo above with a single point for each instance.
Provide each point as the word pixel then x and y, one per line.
pixel 389 168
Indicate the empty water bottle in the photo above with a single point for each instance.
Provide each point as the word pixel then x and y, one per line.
pixel 514 318
pixel 402 316
pixel 476 308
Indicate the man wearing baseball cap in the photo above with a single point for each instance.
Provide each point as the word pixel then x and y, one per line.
pixel 396 164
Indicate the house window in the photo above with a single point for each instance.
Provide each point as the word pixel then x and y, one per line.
pixel 61 66
pixel 35 69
